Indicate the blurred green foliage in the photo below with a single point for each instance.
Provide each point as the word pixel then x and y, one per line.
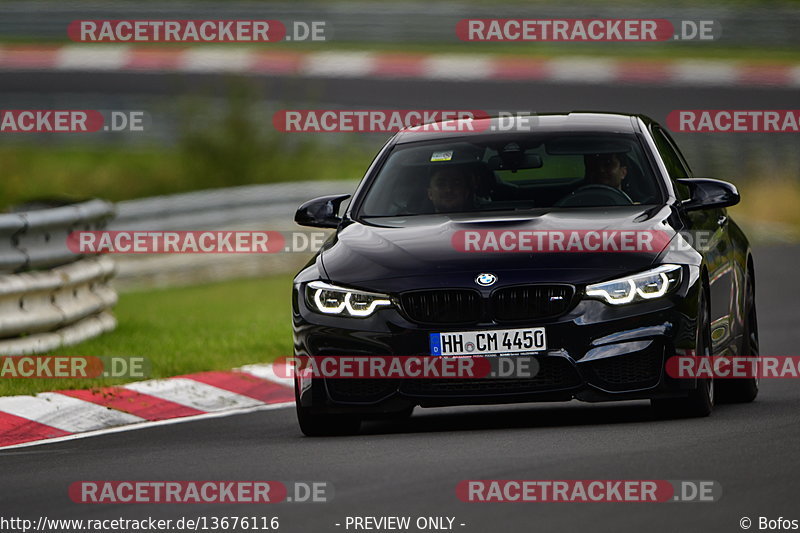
pixel 229 143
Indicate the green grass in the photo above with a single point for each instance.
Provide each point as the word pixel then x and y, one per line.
pixel 115 173
pixel 184 330
pixel 221 145
pixel 771 201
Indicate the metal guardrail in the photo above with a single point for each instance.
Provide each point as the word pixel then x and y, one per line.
pixel 250 207
pixel 11 257
pixel 38 239
pixel 49 296
pixel 41 311
pixel 215 208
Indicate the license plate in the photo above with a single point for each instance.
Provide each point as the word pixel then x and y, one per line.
pixel 490 342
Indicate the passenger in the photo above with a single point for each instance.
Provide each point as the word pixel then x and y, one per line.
pixel 452 189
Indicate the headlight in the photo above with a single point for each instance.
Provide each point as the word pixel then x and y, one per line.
pixel 332 300
pixel 647 285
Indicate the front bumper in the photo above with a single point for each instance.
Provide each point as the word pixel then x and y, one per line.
pixel 597 352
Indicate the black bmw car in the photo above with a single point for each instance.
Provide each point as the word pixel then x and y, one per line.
pixel 462 243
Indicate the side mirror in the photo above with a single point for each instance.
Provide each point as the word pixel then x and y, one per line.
pixel 707 193
pixel 322 212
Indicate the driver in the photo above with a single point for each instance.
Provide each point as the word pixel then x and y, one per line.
pixel 605 169
pixel 602 171
pixel 452 189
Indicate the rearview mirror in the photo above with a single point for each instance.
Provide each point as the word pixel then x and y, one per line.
pixel 707 193
pixel 514 161
pixel 322 212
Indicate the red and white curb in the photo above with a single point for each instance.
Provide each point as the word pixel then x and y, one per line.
pixel 244 60
pixel 56 416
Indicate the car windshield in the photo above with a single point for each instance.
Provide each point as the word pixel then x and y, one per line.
pixel 495 173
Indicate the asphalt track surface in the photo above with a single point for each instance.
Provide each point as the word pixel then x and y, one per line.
pixel 412 468
pixel 655 100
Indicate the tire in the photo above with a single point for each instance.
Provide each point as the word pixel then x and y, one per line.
pixel 324 425
pixel 700 401
pixel 745 390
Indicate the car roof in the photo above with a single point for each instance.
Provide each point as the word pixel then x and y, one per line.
pixel 535 123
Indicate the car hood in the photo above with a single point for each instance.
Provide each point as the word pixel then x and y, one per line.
pixel 399 253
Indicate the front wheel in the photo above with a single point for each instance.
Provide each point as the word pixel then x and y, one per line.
pixel 700 401
pixel 324 425
pixel 745 390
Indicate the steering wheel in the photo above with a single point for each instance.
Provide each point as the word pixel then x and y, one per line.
pixel 595 195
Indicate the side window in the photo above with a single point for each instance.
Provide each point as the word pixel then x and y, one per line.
pixel 673 161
